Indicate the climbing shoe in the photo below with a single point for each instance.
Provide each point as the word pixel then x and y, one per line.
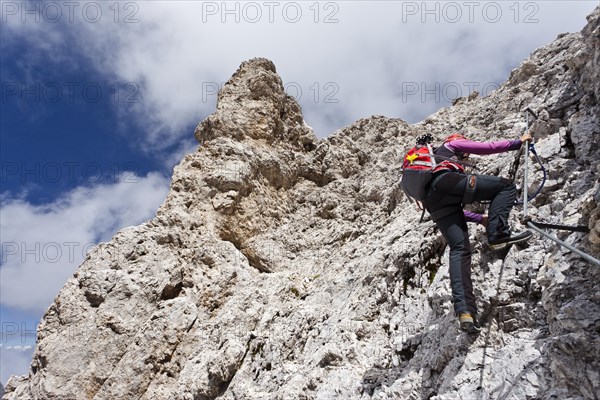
pixel 468 322
pixel 506 241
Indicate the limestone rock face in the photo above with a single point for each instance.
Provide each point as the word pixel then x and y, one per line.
pixel 284 267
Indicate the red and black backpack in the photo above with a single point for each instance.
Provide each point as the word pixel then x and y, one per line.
pixel 419 165
pixel 417 171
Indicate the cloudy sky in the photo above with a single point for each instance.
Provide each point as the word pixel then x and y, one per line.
pixel 100 100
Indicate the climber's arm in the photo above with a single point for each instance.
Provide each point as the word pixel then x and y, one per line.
pixel 483 148
pixel 473 217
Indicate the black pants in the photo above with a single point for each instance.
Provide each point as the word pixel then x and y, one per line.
pixel 444 202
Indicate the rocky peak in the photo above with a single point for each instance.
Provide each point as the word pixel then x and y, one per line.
pixel 253 104
pixel 282 267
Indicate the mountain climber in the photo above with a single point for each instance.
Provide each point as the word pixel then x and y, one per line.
pixel 449 190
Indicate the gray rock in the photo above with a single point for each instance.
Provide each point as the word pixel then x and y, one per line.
pixel 284 267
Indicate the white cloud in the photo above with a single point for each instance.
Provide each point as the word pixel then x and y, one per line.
pixel 371 51
pixel 19 348
pixel 42 245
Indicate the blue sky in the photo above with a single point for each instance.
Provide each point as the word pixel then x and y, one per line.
pixel 100 100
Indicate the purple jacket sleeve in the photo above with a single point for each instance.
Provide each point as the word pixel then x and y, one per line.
pixel 473 217
pixel 483 148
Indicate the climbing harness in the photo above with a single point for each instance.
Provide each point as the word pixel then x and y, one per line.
pixel 470 189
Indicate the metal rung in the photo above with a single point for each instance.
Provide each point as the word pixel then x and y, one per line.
pixel 568 246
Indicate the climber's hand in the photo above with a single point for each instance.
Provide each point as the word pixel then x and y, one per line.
pixel 526 138
pixel 484 221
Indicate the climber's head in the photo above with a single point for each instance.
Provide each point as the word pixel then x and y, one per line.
pixel 455 136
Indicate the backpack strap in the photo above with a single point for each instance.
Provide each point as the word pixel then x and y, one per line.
pixel 463 163
pixel 422 215
pixel 432 156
